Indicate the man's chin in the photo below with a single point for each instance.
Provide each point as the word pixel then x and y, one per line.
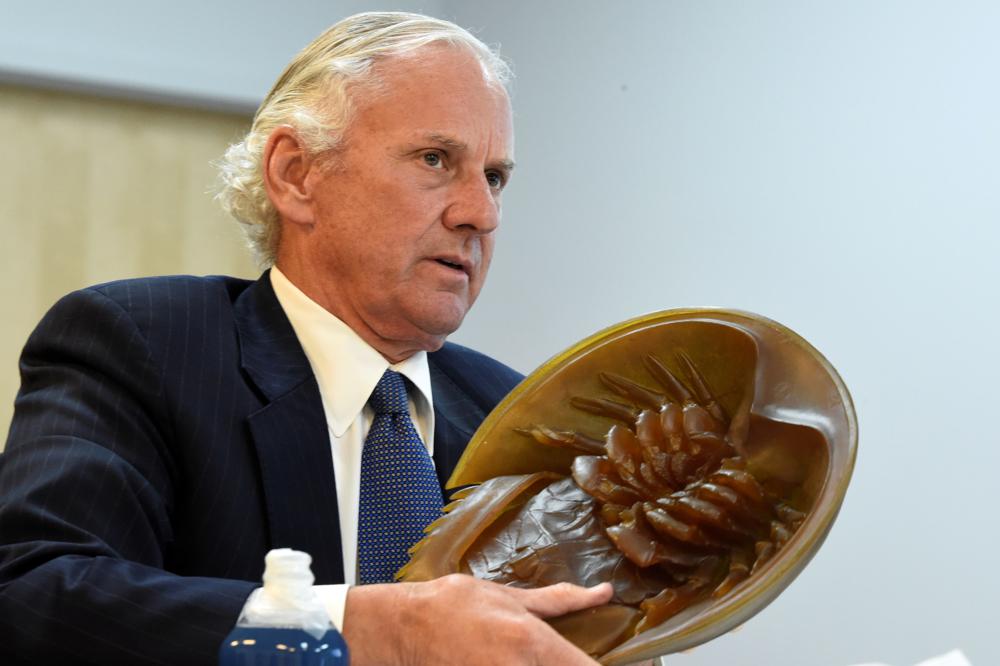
pixel 439 329
pixel 439 315
pixel 405 339
pixel 435 327
pixel 424 327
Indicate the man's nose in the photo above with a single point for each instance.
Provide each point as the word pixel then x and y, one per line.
pixel 474 207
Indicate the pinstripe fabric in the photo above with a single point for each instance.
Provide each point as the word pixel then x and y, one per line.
pixel 169 432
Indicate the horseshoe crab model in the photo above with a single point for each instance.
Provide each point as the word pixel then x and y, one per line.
pixel 695 459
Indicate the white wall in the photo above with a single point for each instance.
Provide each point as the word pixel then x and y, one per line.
pixel 834 166
pixel 830 165
pixel 218 54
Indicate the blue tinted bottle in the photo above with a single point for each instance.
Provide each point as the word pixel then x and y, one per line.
pixel 284 623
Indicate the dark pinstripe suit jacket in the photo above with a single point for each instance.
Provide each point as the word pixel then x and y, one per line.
pixel 167 434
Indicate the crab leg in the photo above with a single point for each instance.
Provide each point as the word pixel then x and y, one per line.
pixel 667 379
pixel 596 476
pixel 700 421
pixel 705 396
pixel 625 453
pixel 763 550
pixel 745 484
pixel 789 515
pixel 707 451
pixel 610 408
pixel 649 431
pixel 668 526
pixel 626 388
pixel 563 439
pixel 730 499
pixel 739 569
pixel 675 599
pixel 686 507
pixel 636 542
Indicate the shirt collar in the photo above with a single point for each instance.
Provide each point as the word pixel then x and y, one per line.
pixel 346 367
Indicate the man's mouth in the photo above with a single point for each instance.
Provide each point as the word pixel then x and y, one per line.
pixel 451 264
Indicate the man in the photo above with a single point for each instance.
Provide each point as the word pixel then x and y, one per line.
pixel 170 431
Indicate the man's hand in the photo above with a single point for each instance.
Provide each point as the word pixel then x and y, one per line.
pixel 462 620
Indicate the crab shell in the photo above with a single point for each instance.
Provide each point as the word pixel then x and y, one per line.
pixel 801 442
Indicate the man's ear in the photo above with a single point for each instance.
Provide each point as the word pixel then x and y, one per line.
pixel 286 164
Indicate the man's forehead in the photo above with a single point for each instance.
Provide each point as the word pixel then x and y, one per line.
pixel 435 105
pixel 438 64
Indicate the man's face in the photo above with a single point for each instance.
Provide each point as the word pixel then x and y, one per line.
pixel 405 213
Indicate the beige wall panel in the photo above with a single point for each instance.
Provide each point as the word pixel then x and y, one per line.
pixel 93 189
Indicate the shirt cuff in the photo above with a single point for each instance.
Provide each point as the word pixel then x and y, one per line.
pixel 333 598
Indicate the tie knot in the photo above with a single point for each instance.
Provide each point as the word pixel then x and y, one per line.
pixel 389 395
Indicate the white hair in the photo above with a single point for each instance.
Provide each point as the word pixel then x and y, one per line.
pixel 314 96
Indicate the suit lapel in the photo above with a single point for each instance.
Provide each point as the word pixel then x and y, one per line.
pixel 290 434
pixel 456 417
pixel 292 440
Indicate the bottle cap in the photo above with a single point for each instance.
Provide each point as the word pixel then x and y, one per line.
pixel 287 598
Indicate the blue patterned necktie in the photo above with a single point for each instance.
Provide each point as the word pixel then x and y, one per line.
pixel 400 494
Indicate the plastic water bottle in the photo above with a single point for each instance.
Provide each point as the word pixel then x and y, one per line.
pixel 284 622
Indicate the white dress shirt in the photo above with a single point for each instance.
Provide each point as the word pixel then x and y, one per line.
pixel 347 369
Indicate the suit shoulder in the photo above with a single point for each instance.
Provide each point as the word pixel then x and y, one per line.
pixel 166 288
pixel 475 371
pixel 155 303
pixel 457 353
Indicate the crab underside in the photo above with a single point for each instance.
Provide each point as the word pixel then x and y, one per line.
pixel 680 499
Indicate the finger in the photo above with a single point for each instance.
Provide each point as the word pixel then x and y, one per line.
pixel 561 598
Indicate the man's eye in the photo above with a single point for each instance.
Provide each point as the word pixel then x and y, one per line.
pixel 495 179
pixel 433 160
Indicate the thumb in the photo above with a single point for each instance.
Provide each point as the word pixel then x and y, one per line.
pixel 561 598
